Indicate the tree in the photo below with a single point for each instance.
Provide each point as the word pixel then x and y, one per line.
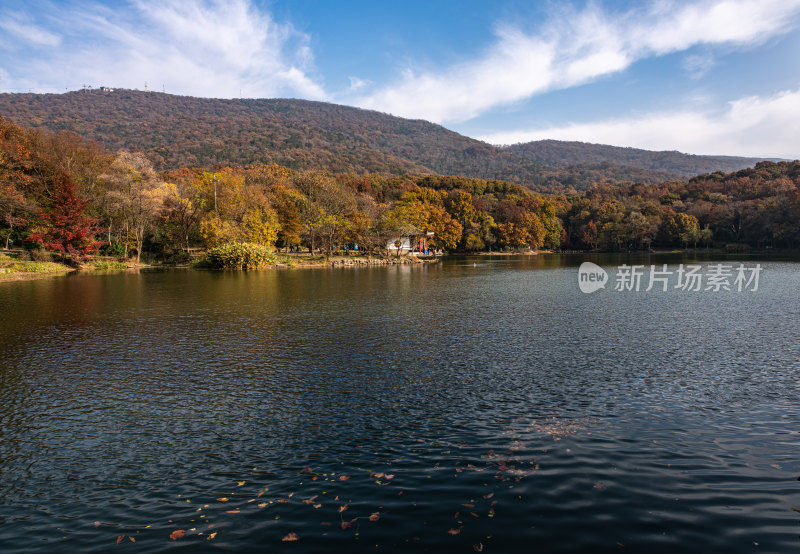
pixel 184 207
pixel 69 231
pixel 589 235
pixel 136 196
pixel 260 226
pixel 291 226
pixel 683 228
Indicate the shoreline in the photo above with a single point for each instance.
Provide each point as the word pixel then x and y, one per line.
pixel 304 261
pixel 289 262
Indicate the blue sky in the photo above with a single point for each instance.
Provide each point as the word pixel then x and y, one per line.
pixel 699 76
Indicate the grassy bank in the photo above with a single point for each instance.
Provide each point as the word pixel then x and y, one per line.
pixel 18 266
pixel 14 269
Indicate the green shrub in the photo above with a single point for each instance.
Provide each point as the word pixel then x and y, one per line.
pixel 113 249
pixel 240 255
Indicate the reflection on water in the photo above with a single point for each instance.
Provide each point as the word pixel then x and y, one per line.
pixel 480 401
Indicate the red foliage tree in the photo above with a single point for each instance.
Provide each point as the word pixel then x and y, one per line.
pixel 70 232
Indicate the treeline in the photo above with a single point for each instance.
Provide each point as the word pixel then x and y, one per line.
pixel 53 185
pixel 757 207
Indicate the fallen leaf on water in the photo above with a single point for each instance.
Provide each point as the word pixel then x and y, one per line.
pixel 282 501
pixel 374 517
pixel 259 494
pixel 493 503
pixel 389 476
pixel 177 534
pixel 291 537
pixel 326 523
pixel 132 539
pixel 97 524
pixel 488 496
pixel 468 505
pixel 491 512
pixel 240 483
pixel 236 511
pixel 310 500
pixel 119 539
pixel 291 494
pixel 473 514
pixel 262 504
pixel 318 506
pixel 456 515
pixel 223 499
pixel 376 475
pixel 478 547
pixel 344 477
pixel 212 535
pixel 454 531
pixel 342 508
pixel 599 485
pixel 346 525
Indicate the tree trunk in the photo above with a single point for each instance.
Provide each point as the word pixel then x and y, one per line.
pixel 125 240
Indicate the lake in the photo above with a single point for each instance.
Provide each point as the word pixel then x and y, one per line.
pixel 478 403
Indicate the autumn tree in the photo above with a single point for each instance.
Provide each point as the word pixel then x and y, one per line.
pixel 16 164
pixel 137 197
pixel 69 231
pixel 683 228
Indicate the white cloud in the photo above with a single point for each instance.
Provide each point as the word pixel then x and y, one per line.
pixel 697 65
pixel 751 126
pixel 28 33
pixel 211 48
pixel 357 84
pixel 574 48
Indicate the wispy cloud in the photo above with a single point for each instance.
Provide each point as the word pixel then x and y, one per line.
pixel 697 65
pixel 202 48
pixel 26 34
pixel 751 126
pixel 573 48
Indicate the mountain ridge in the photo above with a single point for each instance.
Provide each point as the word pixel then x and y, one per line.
pixel 567 153
pixel 182 131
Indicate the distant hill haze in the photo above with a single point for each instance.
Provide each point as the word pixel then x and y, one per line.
pixel 565 153
pixel 180 131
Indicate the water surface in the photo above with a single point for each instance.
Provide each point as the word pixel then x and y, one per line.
pixel 510 410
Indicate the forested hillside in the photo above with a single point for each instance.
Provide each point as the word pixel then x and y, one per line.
pixel 178 131
pixel 57 187
pixel 670 163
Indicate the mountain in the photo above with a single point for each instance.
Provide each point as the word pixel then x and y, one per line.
pixel 180 131
pixel 565 154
